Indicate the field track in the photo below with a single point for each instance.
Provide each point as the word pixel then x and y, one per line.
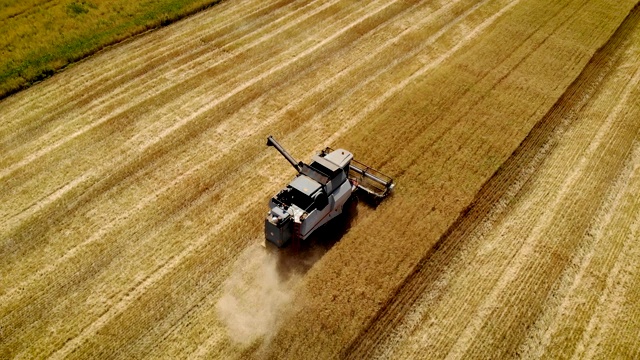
pixel 133 181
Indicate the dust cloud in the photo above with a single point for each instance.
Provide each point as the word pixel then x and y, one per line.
pixel 256 296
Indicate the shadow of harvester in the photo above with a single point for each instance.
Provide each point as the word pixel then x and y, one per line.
pixel 298 258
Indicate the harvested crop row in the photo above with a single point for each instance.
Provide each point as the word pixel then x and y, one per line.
pixel 535 275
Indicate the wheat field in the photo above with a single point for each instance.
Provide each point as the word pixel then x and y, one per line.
pixel 135 184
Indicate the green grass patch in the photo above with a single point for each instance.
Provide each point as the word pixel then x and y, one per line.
pixel 40 39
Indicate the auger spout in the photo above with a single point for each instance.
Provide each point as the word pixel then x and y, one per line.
pixel 272 142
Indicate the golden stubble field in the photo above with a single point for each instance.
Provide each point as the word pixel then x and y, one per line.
pixel 134 185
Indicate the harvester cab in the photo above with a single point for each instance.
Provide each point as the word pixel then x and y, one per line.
pixel 318 193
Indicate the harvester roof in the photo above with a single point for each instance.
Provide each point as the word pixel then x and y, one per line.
pixel 305 185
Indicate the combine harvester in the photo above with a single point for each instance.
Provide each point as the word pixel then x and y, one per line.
pixel 318 193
